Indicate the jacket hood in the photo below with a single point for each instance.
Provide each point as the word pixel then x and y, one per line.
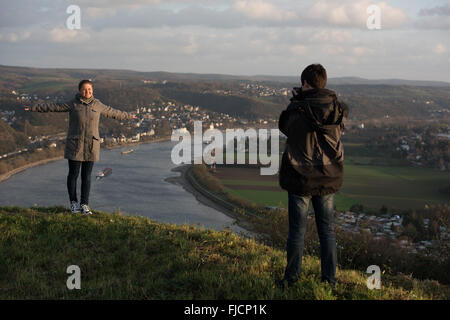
pixel 321 108
pixel 315 93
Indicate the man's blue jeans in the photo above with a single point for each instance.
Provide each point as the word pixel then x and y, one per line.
pixel 324 212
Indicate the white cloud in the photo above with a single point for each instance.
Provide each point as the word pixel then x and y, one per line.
pixel 392 17
pixel 299 50
pixel 134 4
pixel 116 3
pixel 362 51
pixel 95 12
pixel 439 49
pixel 335 36
pixel 64 35
pixel 192 47
pixel 433 22
pixel 354 14
pixel 261 9
pixel 16 36
pixel 234 37
pixel 333 50
pixel 438 11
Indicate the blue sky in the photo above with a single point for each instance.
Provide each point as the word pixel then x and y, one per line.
pixel 243 37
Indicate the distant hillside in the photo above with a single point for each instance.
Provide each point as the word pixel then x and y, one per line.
pixel 124 89
pixel 23 73
pixel 10 139
pixel 377 101
pixel 390 82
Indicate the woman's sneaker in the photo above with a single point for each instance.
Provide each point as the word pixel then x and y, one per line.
pixel 85 209
pixel 74 207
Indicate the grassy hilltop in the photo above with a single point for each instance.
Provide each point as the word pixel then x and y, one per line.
pixel 129 257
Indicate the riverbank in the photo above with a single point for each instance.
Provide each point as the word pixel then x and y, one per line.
pixel 9 174
pixel 117 146
pixel 184 181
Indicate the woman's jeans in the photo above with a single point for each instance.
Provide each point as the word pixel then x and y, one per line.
pixel 324 212
pixel 74 171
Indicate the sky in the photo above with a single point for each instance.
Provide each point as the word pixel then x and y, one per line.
pixel 239 37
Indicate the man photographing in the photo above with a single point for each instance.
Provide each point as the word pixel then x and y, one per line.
pixel 312 168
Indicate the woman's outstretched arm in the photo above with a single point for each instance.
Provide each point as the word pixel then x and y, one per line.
pixel 49 107
pixel 109 112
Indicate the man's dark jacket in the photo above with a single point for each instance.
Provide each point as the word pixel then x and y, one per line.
pixel 313 161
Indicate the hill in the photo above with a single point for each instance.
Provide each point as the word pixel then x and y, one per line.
pixel 129 257
pixel 9 72
pixel 125 89
pixel 369 100
pixel 10 139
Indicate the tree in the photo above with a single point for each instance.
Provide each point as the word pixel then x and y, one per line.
pixel 3 168
pixel 357 208
pixel 163 128
pixel 411 231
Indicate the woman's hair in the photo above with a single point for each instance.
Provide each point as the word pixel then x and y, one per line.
pixel 82 82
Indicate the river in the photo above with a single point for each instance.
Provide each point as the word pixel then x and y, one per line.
pixel 136 187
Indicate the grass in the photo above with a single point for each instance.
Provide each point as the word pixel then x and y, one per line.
pixel 280 198
pixel 396 187
pixel 130 257
pixel 266 198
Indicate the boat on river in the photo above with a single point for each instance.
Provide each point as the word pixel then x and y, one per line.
pixel 104 173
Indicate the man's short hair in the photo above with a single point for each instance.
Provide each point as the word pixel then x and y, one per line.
pixel 82 82
pixel 315 75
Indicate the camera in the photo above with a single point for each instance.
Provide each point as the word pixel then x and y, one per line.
pixel 297 89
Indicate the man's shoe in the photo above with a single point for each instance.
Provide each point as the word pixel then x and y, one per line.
pixel 74 207
pixel 85 209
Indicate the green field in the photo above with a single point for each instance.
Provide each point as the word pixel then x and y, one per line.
pixel 280 198
pixel 399 187
pixel 373 186
pixel 47 83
